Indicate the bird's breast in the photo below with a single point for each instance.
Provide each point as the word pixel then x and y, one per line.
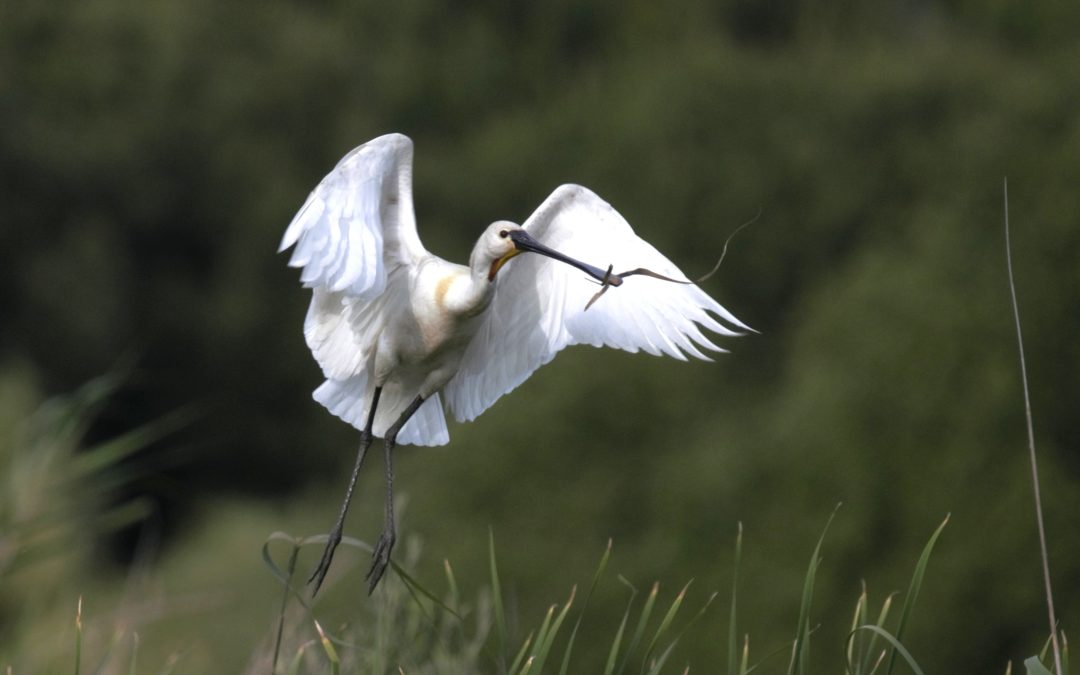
pixel 446 304
pixel 442 287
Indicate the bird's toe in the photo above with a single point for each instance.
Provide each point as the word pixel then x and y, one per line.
pixel 380 560
pixel 319 573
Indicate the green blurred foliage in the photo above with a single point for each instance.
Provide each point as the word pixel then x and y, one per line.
pixel 151 154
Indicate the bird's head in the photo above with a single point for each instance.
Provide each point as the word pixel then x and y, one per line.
pixel 496 247
pixel 503 240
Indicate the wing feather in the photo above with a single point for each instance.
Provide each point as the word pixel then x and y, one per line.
pixel 354 237
pixel 355 241
pixel 539 304
pixel 358 224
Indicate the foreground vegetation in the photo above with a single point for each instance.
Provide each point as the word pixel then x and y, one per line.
pixel 166 616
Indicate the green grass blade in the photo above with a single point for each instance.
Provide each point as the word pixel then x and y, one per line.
pixel 665 623
pixel 414 595
pixel 779 650
pixel 1035 667
pixel 1037 491
pixel 609 667
pixel 303 542
pixel 106 658
pixel 134 653
pixel 880 659
pixel 1047 643
pixel 521 653
pixel 451 584
pixel 584 605
pixel 268 559
pixel 496 591
pixel 321 539
pixel 658 666
pixel 744 662
pixel 294 667
pixel 66 415
pixel 1064 654
pixel 700 613
pixel 454 599
pixel 856 666
pixel 545 626
pixel 282 575
pixel 413 585
pixel 286 579
pixel 800 652
pixel 114 450
pixel 859 663
pixel 543 647
pixel 331 653
pixel 655 668
pixel 898 648
pixel 872 645
pixel 914 588
pixel 285 575
pixel 857 620
pixel 170 664
pixel 639 631
pixel 733 631
pixel 129 513
pixel 78 636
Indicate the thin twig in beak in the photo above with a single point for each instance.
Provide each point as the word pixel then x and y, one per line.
pixel 610 279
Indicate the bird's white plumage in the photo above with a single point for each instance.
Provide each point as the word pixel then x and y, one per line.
pixel 356 242
pixel 539 304
pixel 358 225
pixel 375 287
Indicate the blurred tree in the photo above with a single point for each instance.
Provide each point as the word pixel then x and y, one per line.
pixel 151 154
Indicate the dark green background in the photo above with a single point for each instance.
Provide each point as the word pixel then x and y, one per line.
pixel 152 153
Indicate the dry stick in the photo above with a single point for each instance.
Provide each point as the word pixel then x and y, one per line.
pixel 1031 445
pixel 610 279
pixel 723 253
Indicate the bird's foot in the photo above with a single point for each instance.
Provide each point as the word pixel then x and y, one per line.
pixel 316 579
pixel 380 559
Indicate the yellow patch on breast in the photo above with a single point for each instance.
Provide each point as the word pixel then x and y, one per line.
pixel 441 289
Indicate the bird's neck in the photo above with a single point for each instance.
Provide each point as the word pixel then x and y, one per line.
pixel 463 292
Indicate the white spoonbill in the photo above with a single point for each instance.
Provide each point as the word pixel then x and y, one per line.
pixel 396 329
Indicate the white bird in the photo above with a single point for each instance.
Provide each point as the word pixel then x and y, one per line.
pixel 400 332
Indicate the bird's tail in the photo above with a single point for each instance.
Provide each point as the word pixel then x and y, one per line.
pixel 350 399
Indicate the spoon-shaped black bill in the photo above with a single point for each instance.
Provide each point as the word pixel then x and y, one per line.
pixel 524 242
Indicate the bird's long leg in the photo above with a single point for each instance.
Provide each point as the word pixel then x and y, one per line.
pixel 381 557
pixel 334 538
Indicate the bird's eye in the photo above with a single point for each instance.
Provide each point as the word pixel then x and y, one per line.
pixel 504 233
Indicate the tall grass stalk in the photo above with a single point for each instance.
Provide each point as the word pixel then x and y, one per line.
pixel 287 588
pixel 912 595
pixel 733 631
pixel 584 606
pixel 1031 443
pixel 496 591
pixel 613 654
pixel 800 649
pixel 635 639
pixel 78 636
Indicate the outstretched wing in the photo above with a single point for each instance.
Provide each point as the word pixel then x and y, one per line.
pixel 540 304
pixel 358 224
pixel 356 241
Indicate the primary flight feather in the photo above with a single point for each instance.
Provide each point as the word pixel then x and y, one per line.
pixel 395 328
